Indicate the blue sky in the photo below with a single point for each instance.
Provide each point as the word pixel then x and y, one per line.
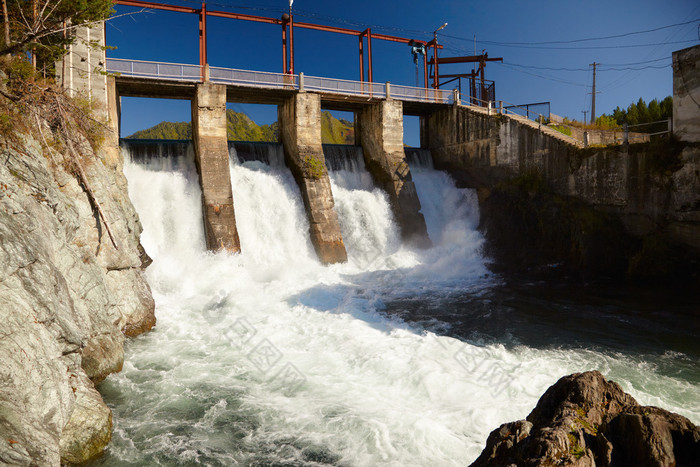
pixel 557 72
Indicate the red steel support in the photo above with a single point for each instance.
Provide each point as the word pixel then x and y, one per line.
pixel 291 43
pixel 256 19
pixel 284 48
pixel 436 83
pixel 369 55
pixel 362 58
pixel 156 6
pixel 288 65
pixel 482 67
pixel 425 69
pixel 203 40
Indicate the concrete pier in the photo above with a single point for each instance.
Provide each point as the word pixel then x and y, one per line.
pixel 381 136
pixel 211 154
pixel 300 132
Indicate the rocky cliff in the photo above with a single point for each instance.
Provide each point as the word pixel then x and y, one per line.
pixel 68 295
pixel 584 420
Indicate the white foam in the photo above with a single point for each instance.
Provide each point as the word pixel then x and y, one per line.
pixel 370 389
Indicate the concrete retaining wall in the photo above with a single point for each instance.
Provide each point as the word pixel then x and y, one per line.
pixel 653 187
pixel 686 94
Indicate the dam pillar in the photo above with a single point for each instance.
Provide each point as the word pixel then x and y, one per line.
pixel 211 156
pixel 381 136
pixel 300 132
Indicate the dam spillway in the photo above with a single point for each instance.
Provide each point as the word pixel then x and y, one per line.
pixel 401 356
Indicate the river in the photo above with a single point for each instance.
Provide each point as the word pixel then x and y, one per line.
pixel 399 357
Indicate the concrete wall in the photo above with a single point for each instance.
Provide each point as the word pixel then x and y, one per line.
pixel 300 132
pixel 381 137
pixel 82 69
pixel 483 149
pixel 686 94
pixel 653 187
pixel 211 153
pixel 607 137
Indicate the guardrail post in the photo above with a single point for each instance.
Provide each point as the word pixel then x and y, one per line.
pixel 500 107
pixel 626 129
pixel 488 106
pixel 670 125
pixel 388 90
pixel 455 96
pixel 301 82
pixel 585 139
pixel 206 72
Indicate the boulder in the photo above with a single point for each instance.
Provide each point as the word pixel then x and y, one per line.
pixel 585 420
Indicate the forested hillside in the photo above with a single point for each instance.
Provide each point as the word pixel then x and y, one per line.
pixel 240 127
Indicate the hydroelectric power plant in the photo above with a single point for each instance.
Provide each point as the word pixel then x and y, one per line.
pixel 324 304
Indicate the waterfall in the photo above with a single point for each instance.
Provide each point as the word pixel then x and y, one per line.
pixel 268 357
pixel 419 157
pixel 268 153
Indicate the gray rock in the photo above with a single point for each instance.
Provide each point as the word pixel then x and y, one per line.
pixel 67 297
pixel 584 420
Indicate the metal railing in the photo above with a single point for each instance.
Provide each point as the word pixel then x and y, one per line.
pixel 505 108
pixel 536 116
pixel 264 79
pixel 409 93
pixel 342 86
pixel 261 79
pixel 158 70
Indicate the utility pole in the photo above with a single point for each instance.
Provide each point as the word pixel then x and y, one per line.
pixel 594 64
pixel 584 115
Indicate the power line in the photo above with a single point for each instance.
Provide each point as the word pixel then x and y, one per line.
pixel 590 38
pixel 589 47
pixel 334 19
pixel 637 63
pixel 610 67
pixel 546 77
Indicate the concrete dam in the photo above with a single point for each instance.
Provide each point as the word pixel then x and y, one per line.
pixel 341 162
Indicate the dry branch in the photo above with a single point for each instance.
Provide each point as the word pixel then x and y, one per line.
pixel 81 173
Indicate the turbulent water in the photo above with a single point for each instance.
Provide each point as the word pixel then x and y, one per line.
pixel 398 357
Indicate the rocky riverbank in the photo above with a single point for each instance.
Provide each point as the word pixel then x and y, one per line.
pixel 585 420
pixel 68 294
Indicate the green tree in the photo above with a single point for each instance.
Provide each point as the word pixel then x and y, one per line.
pixel 642 111
pixel 40 24
pixel 606 122
pixel 667 107
pixel 654 110
pixel 632 115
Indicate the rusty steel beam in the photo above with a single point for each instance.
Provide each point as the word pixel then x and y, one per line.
pixel 362 59
pixel 320 27
pixel 241 16
pixel 462 75
pixel 467 59
pixel 203 41
pixel 262 19
pixel 156 6
pixel 284 48
pixel 369 56
pixel 291 42
pixel 286 45
pixel 425 69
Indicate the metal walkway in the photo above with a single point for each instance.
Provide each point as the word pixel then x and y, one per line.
pixel 186 73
